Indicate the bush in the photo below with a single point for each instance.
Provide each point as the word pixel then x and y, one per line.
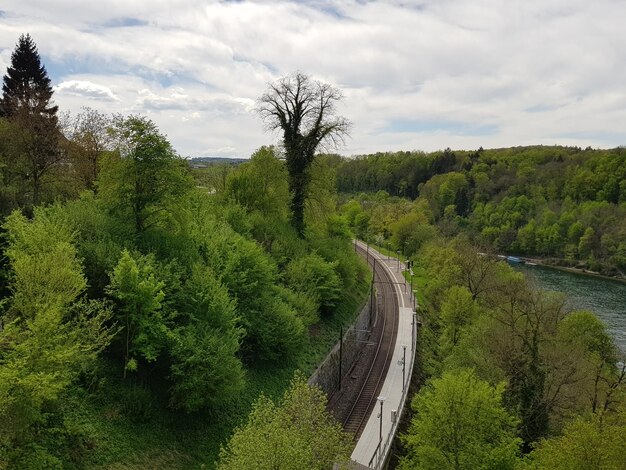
pixel 33 457
pixel 138 403
pixel 278 331
pixel 317 277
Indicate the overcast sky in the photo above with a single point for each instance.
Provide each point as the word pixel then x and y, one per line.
pixel 415 75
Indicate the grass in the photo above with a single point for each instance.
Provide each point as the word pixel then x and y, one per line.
pixel 169 440
pixel 383 251
pixel 419 283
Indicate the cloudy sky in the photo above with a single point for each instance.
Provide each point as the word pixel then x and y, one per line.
pixel 415 75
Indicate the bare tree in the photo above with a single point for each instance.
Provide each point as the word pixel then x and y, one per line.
pixel 304 110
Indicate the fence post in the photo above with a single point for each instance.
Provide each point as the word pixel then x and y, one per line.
pixel 340 354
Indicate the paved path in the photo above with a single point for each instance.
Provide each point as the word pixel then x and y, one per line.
pixel 370 450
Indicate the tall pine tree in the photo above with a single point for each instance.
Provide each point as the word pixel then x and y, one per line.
pixel 26 84
pixel 26 103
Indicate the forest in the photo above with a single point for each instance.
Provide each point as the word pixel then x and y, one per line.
pixel 158 316
pixel 564 205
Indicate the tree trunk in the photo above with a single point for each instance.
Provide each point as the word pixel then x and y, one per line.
pixel 298 188
pixel 36 188
pixel 297 209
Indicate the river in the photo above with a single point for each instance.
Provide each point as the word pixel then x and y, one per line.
pixel 604 297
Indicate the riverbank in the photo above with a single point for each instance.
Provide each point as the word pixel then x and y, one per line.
pixel 553 263
pixel 584 272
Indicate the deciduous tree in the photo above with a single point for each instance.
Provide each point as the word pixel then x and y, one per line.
pixel 304 110
pixel 460 423
pixel 272 327
pixel 139 294
pixel 48 334
pixel 261 184
pixel 145 176
pixel 296 434
pixel 205 367
pixel 316 277
pixel 589 443
pixel 90 135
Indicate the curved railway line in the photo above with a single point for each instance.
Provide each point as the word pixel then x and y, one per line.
pixel 384 336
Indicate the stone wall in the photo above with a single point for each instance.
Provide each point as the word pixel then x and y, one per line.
pixel 326 376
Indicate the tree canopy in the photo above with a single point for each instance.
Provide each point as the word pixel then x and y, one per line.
pixel 144 176
pixel 297 433
pixel 461 423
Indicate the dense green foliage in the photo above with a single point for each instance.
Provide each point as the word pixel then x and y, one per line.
pixel 461 424
pixel 188 298
pixel 295 434
pixel 590 443
pixel 559 373
pixel 50 335
pixel 561 203
pixel 548 364
pixel 192 299
pixel 142 180
pixel 139 304
pixel 397 173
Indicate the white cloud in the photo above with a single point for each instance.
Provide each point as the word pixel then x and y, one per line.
pixel 5 59
pixel 531 71
pixel 86 89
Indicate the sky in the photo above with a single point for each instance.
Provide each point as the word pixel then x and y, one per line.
pixel 414 75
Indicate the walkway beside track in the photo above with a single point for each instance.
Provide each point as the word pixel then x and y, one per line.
pixel 372 448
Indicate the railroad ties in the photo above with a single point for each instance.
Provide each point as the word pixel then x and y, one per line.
pixel 384 336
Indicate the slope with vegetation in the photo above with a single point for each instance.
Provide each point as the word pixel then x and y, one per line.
pixel 513 378
pixel 561 203
pixel 142 313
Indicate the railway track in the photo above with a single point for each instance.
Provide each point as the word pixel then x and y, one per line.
pixel 384 336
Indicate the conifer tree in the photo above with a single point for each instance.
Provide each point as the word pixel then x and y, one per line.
pixel 26 84
pixel 26 103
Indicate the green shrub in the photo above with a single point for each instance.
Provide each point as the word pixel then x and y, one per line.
pixel 316 277
pixel 138 403
pixel 33 457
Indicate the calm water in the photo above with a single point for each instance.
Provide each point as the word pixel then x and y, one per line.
pixel 604 297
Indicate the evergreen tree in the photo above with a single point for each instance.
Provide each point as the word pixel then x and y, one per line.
pixel 34 146
pixel 26 83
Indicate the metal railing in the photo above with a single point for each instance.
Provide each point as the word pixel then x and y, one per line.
pixel 381 453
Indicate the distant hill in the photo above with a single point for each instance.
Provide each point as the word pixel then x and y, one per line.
pixel 202 162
